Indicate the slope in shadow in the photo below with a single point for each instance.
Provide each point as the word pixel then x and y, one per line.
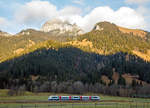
pixel 69 64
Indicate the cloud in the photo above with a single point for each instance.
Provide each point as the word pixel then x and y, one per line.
pixel 124 16
pixel 35 12
pixel 69 10
pixel 10 26
pixel 80 2
pixel 136 1
pixel 143 10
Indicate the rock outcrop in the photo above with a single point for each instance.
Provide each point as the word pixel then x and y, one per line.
pixel 59 27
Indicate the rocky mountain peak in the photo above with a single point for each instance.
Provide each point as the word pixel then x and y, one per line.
pixel 60 27
pixel 107 26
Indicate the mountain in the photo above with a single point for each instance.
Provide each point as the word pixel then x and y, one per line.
pixel 105 56
pixel 112 27
pixel 4 33
pixel 105 26
pixel 108 39
pixel 59 27
pixel 10 45
pixel 15 44
pixel 52 30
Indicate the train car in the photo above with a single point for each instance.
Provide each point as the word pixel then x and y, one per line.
pixel 53 98
pixel 65 98
pixel 85 98
pixel 95 98
pixel 75 97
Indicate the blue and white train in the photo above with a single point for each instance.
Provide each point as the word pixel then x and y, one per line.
pixel 69 98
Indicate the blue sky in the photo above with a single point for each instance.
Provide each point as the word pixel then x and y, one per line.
pixel 16 15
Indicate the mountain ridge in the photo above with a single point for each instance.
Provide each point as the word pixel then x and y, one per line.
pixel 4 33
pixel 100 29
pixel 111 26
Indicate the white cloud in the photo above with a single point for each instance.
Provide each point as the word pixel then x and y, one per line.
pixel 69 10
pixel 129 18
pixel 136 1
pixel 35 12
pixel 69 13
pixel 124 16
pixel 142 10
pixel 80 2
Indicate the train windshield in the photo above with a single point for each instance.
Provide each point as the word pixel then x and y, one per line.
pixel 54 97
pixel 95 97
pixel 75 97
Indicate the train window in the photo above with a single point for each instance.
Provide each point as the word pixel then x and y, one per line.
pixel 54 97
pixel 64 97
pixel 76 97
pixel 85 97
pixel 95 97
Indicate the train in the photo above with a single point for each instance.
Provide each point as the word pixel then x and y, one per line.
pixel 73 98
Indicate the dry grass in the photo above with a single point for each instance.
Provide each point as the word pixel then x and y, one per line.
pixel 135 32
pixel 83 43
pixel 144 56
pixel 18 51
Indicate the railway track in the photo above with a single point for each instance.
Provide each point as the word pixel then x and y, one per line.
pixel 40 102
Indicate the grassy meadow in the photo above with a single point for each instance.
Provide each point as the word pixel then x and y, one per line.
pixel 40 101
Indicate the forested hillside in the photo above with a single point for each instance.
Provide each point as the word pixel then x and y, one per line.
pixel 82 65
pixel 110 40
pixel 13 45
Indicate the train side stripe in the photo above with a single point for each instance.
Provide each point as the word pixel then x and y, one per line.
pixel 80 97
pixel 59 97
pixel 89 97
pixel 69 97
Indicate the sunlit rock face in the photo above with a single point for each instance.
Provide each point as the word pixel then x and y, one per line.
pixel 61 27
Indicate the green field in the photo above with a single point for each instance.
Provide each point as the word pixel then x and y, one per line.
pixel 78 105
pixel 39 100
